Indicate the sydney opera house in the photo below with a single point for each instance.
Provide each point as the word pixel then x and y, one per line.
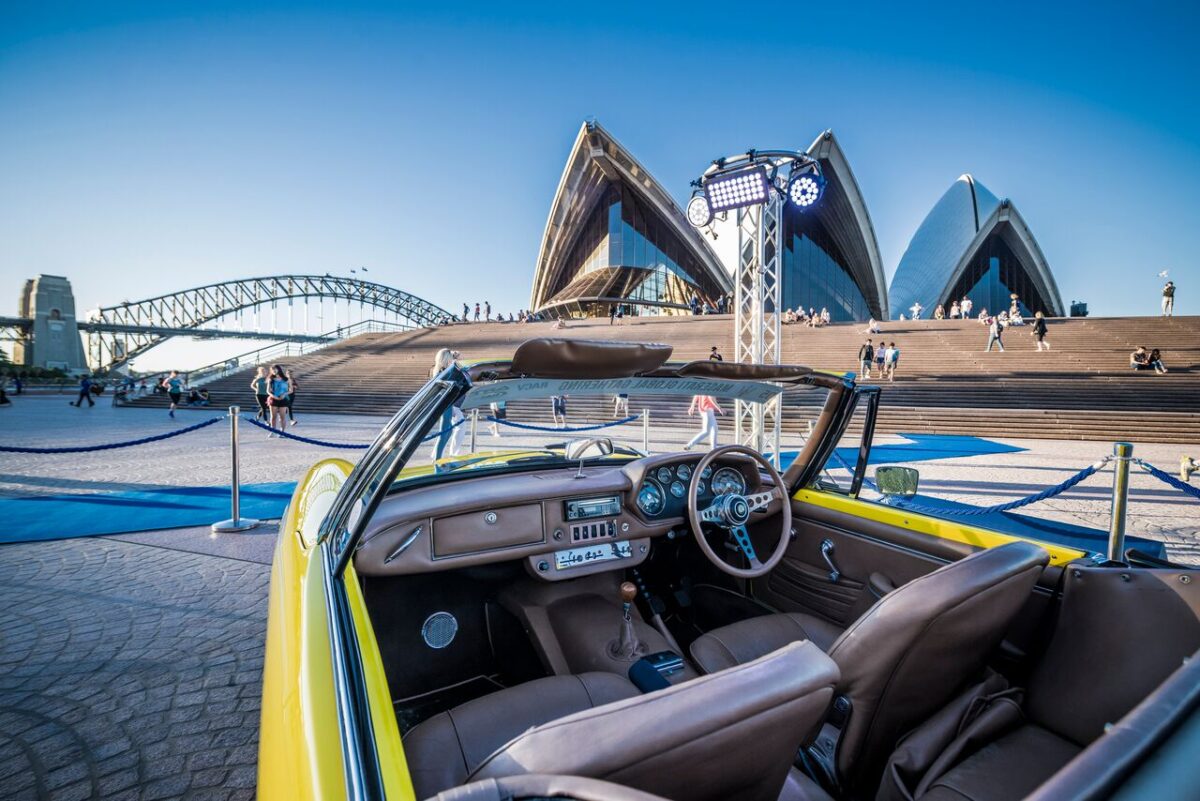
pixel 616 237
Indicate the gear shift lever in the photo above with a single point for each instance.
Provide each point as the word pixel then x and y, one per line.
pixel 627 646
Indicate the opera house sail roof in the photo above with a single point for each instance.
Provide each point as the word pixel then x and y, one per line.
pixel 615 236
pixel 972 244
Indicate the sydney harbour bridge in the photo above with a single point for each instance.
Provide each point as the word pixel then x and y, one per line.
pixel 115 334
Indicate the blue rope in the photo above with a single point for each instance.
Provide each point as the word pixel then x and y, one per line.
pixel 445 430
pixel 307 440
pixel 1049 492
pixel 528 427
pixel 1165 477
pixel 111 445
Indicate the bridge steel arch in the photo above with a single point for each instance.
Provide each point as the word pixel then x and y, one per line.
pixel 193 308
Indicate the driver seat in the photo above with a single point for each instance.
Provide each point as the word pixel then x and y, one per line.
pixel 904 659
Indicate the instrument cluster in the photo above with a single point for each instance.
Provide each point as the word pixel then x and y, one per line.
pixel 668 486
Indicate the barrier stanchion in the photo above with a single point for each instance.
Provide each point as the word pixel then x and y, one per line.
pixel 1122 454
pixel 474 428
pixel 645 431
pixel 236 522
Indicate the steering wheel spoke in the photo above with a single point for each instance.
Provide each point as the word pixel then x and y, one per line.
pixel 712 514
pixel 742 538
pixel 759 501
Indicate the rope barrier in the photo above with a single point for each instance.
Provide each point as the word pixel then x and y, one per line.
pixel 445 430
pixel 596 427
pixel 1049 492
pixel 1168 478
pixel 112 445
pixel 306 440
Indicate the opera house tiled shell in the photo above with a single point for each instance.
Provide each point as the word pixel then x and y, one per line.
pixel 972 244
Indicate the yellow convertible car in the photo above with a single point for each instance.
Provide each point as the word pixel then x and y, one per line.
pixel 617 616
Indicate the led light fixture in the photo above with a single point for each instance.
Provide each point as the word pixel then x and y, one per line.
pixel 698 212
pixel 805 189
pixel 738 189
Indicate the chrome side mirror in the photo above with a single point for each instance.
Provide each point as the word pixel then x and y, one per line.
pixel 896 481
pixel 587 448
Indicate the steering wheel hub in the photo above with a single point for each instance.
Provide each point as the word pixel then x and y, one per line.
pixel 734 510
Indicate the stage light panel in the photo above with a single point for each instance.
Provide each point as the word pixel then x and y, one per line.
pixel 738 189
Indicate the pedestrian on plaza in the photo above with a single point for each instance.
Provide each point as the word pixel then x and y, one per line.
pixel 620 405
pixel 872 327
pixel 612 313
pixel 558 410
pixel 476 312
pixel 173 386
pixel 620 313
pixel 1039 331
pixel 291 396
pixel 966 307
pixel 499 413
pixel 955 311
pixel 85 392
pixel 995 334
pixel 916 310
pixel 449 434
pixel 487 311
pixel 277 393
pixel 707 407
pixel 1168 299
pixel 940 312
pixel 892 360
pixel 866 355
pixel 714 355
pixel 466 312
pixel 880 359
pixel 1157 363
pixel 258 385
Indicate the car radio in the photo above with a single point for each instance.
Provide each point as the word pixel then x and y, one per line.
pixel 579 509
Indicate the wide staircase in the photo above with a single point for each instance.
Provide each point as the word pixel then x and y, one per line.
pixel 1082 388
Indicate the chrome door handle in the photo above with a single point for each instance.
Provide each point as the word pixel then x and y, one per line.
pixel 827 554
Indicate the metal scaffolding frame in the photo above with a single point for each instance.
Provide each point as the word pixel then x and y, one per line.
pixel 119 333
pixel 757 303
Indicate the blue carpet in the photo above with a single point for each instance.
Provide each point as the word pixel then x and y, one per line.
pixel 53 517
pixel 919 448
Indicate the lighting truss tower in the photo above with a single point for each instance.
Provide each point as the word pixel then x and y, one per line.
pixel 757 185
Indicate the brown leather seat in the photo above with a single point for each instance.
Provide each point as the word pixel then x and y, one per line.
pixel 729 735
pixel 906 656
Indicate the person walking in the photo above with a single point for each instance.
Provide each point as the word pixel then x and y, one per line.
pixel 466 312
pixel 620 313
pixel 866 355
pixel 258 385
pixel 476 312
pixel 487 311
pixel 499 414
pixel 893 360
pixel 620 405
pixel 966 307
pixel 1039 331
pixel 1168 299
pixel 558 410
pixel 85 393
pixel 173 385
pixel 612 313
pixel 277 392
pixel 714 355
pixel 291 396
pixel 995 334
pixel 447 441
pixel 707 407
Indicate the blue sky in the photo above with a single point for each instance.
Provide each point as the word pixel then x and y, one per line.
pixel 146 148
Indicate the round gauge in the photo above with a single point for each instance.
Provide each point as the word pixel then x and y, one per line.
pixel 650 498
pixel 678 489
pixel 728 480
pixel 707 474
pixel 684 472
pixel 664 475
pixel 700 488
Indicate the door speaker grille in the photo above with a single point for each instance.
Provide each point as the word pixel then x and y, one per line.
pixel 439 629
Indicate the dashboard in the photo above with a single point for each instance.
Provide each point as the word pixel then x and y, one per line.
pixel 562 525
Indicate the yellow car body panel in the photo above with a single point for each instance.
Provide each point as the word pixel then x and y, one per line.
pixel 300 749
pixel 933 526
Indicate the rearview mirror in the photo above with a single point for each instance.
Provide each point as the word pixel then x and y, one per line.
pixel 588 448
pixel 893 480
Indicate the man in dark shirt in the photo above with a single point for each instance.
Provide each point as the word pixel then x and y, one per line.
pixel 1168 302
pixel 714 356
pixel 866 355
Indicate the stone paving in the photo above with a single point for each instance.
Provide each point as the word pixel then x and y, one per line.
pixel 129 670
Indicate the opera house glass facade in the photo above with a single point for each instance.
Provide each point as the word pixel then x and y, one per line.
pixel 815 272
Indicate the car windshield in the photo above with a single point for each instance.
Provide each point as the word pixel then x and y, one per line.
pixel 514 424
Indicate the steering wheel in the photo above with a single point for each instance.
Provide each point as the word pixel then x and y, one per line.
pixel 732 512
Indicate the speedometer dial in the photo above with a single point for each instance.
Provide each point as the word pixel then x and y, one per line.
pixel 728 480
pixel 650 499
